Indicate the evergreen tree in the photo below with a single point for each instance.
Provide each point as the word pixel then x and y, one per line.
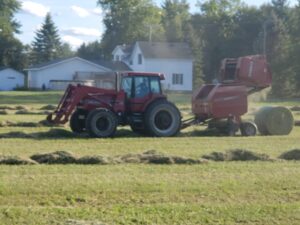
pixel 46 45
pixel 91 51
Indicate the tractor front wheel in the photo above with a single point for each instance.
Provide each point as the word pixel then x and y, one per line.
pixel 248 129
pixel 77 124
pixel 101 123
pixel 162 119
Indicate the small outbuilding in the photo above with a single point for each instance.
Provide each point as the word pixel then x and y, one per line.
pixel 10 79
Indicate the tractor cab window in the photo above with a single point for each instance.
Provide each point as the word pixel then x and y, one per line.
pixel 155 85
pixel 141 87
pixel 127 86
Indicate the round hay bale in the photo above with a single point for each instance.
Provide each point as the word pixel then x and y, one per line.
pixel 291 155
pixel 274 120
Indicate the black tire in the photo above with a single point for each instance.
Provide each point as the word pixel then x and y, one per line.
pixel 101 123
pixel 248 129
pixel 77 124
pixel 162 119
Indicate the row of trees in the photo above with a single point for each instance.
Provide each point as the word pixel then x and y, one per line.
pixel 217 29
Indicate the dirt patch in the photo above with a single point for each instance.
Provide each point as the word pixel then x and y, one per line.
pixel 291 155
pixel 295 108
pixel 15 160
pixel 48 107
pixel 236 155
pixel 59 157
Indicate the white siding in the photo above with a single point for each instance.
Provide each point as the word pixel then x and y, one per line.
pixel 61 71
pixel 118 54
pixel 10 79
pixel 135 60
pixel 172 66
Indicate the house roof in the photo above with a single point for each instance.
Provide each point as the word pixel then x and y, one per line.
pixel 167 50
pixel 114 66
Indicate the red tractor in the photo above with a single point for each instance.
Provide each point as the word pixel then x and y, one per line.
pixel 137 100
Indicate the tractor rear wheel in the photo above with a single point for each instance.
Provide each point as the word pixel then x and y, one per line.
pixel 101 123
pixel 162 119
pixel 248 129
pixel 77 124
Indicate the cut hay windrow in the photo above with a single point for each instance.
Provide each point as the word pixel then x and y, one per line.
pixel 48 107
pixel 28 112
pixel 297 123
pixel 236 155
pixel 295 108
pixel 4 112
pixel 15 160
pixel 274 120
pixel 291 155
pixel 42 123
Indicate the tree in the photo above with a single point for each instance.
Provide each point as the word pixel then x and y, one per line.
pixel 129 21
pixel 46 45
pixel 11 49
pixel 91 51
pixel 175 18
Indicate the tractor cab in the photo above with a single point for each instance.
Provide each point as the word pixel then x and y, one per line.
pixel 140 89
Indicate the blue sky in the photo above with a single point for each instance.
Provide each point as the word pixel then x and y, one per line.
pixel 78 21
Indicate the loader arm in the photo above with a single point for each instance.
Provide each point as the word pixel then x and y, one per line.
pixel 72 96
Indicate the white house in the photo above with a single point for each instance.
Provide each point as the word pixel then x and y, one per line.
pixel 10 79
pixel 174 60
pixel 57 74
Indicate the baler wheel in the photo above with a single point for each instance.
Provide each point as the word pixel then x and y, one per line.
pixel 101 123
pixel 162 119
pixel 248 129
pixel 77 125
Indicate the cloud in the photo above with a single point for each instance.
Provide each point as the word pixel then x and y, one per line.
pixel 81 12
pixel 73 41
pixel 97 11
pixel 81 31
pixel 34 8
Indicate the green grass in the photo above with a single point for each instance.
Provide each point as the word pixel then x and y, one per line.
pixel 214 193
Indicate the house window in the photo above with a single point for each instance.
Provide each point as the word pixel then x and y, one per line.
pixel 177 78
pixel 140 59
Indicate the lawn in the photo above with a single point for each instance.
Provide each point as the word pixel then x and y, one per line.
pixel 211 193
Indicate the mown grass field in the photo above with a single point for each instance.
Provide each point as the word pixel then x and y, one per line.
pixel 212 193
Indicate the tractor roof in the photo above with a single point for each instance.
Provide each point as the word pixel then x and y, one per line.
pixel 134 74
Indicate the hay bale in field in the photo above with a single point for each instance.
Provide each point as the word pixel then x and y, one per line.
pixel 4 112
pixel 100 160
pixel 291 155
pixel 48 107
pixel 274 121
pixel 58 157
pixel 295 108
pixel 236 155
pixel 15 160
